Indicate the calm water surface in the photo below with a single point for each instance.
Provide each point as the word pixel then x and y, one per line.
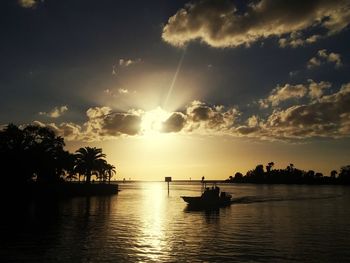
pixel 144 224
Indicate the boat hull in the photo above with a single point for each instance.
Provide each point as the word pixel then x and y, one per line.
pixel 200 202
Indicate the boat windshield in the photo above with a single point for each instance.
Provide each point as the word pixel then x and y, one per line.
pixel 211 192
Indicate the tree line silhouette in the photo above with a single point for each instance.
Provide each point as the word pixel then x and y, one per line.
pixel 290 175
pixel 35 154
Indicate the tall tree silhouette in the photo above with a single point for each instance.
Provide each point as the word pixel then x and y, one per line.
pixel 33 151
pixel 68 161
pixel 46 150
pixel 89 161
pixel 344 175
pixel 269 166
pixel 13 155
pixel 333 174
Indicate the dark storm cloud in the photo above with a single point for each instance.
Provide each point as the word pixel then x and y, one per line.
pixel 220 24
pixel 246 130
pixel 200 113
pixel 175 123
pixel 121 123
pixel 104 122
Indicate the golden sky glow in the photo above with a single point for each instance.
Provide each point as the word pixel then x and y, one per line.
pixel 184 90
pixel 184 156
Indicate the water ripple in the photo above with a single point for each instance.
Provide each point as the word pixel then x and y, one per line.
pixel 144 224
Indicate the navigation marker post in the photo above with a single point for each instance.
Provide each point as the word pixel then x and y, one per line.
pixel 168 180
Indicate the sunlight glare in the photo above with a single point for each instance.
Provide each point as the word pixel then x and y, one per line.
pixel 152 121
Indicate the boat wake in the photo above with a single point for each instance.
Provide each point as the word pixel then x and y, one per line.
pixel 262 199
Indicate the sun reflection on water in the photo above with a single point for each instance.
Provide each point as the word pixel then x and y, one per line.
pixel 152 239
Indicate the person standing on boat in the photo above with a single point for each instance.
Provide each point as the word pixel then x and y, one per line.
pixel 217 190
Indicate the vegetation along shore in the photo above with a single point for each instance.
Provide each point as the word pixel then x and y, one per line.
pixel 34 162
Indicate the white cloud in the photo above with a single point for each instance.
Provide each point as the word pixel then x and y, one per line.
pixel 123 91
pixel 98 112
pixel 313 39
pixel 313 63
pixel 124 63
pixel 289 91
pixel 118 93
pixel 55 112
pixel 296 39
pixel 327 117
pixel 294 73
pixel 283 93
pixel 69 131
pixel 331 57
pixel 128 62
pixel 221 24
pixel 316 89
pixel 28 3
pixel 203 118
pixel 323 57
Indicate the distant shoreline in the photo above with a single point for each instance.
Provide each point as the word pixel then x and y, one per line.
pixel 221 182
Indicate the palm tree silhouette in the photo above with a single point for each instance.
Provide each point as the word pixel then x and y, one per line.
pixel 104 171
pixel 89 161
pixel 110 171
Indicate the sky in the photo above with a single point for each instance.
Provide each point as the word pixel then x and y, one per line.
pixel 183 88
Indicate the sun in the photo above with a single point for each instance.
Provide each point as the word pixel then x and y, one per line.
pixel 152 121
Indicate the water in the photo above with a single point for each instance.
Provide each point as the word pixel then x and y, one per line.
pixel 144 224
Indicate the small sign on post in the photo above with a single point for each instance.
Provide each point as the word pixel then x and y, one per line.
pixel 168 180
